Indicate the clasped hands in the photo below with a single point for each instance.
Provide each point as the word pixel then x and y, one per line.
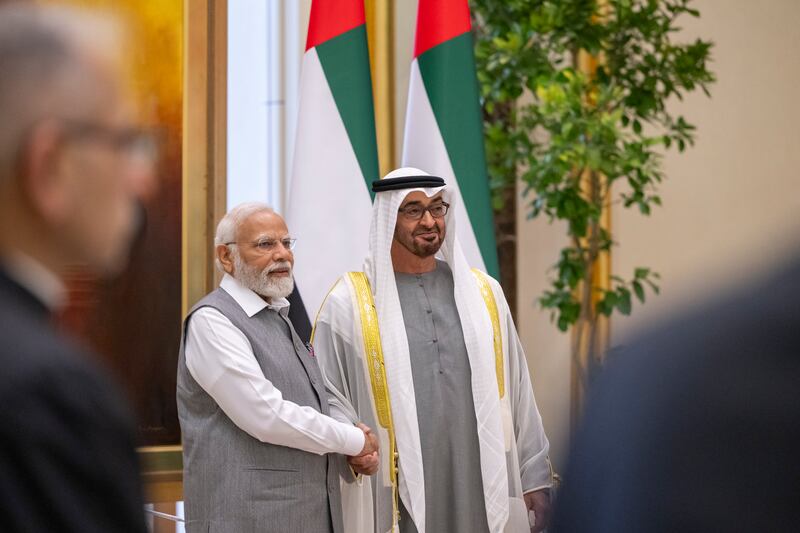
pixel 368 460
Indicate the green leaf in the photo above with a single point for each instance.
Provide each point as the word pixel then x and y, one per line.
pixel 606 305
pixel 653 286
pixel 624 301
pixel 639 290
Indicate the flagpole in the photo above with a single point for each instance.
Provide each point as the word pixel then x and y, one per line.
pixel 380 38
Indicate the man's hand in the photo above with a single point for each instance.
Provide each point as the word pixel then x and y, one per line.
pixel 539 502
pixel 370 440
pixel 366 462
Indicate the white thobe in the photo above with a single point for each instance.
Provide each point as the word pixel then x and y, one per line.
pixel 338 343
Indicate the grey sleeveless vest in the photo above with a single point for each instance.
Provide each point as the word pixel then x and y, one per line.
pixel 234 483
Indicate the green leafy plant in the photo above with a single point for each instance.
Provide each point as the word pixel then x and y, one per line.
pixel 584 136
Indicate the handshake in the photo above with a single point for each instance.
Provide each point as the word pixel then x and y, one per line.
pixel 367 461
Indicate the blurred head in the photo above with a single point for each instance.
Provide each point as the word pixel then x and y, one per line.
pixel 253 245
pixel 73 164
pixel 420 226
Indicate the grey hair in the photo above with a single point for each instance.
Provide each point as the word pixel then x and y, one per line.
pixel 45 69
pixel 229 225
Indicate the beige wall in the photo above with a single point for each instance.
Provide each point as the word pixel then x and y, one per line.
pixel 731 204
pixel 546 347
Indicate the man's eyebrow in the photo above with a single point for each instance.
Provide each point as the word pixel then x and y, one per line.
pixel 419 202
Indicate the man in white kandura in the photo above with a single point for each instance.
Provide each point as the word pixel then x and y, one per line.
pixel 425 351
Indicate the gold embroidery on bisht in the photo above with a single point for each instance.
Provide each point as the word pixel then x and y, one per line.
pixel 377 374
pixel 491 306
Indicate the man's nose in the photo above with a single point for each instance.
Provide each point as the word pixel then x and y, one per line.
pixel 141 177
pixel 282 252
pixel 427 219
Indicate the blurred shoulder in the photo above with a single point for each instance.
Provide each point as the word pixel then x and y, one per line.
pixel 42 366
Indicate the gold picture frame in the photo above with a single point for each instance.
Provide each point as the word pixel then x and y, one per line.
pixel 203 198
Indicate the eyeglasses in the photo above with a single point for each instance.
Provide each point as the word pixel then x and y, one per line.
pixel 416 212
pixel 132 142
pixel 268 245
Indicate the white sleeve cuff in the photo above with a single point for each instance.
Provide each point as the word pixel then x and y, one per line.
pixel 354 441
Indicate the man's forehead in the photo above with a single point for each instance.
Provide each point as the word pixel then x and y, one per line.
pixel 264 223
pixel 419 197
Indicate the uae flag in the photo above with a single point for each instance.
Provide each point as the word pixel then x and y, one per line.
pixel 444 134
pixel 335 157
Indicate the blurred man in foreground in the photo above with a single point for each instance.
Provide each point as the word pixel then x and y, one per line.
pixel 72 165
pixel 696 426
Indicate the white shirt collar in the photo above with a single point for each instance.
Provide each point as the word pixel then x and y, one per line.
pixel 250 302
pixel 37 279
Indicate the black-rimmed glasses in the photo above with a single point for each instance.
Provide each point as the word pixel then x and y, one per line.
pixel 416 212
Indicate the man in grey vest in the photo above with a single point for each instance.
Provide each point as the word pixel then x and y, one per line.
pixel 251 399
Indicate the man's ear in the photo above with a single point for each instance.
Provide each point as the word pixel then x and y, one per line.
pixel 43 181
pixel 224 256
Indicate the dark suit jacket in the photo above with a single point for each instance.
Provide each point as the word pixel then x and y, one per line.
pixel 67 459
pixel 696 427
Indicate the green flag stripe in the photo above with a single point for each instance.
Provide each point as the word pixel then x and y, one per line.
pixel 448 73
pixel 345 62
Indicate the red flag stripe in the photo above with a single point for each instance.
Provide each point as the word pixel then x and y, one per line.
pixel 439 21
pixel 330 18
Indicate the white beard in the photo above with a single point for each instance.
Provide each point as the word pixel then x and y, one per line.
pixel 260 282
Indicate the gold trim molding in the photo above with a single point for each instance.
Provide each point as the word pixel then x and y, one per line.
pixel 204 142
pixel 582 361
pixel 380 39
pixel 204 162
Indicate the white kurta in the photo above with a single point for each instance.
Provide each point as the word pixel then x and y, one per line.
pixel 339 346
